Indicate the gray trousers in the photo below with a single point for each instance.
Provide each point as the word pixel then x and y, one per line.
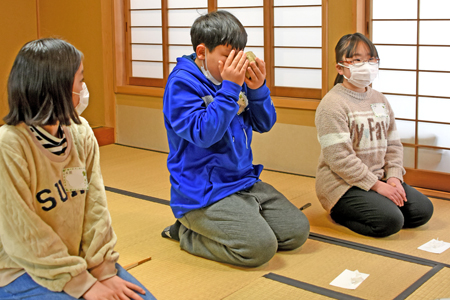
pixel 246 228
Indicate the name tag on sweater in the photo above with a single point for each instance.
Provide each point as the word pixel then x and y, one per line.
pixel 379 109
pixel 75 179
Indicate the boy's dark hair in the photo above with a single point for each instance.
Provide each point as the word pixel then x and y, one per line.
pixel 40 83
pixel 346 47
pixel 218 28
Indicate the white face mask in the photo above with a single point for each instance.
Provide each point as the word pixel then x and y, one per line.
pixel 362 76
pixel 84 99
pixel 208 74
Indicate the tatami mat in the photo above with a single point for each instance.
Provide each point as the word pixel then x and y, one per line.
pixel 406 241
pixel 320 263
pixel 269 289
pixel 138 224
pixel 135 170
pixel 437 287
pixel 175 274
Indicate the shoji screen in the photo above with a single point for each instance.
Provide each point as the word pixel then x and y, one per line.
pixel 181 15
pixel 146 53
pixel 414 47
pixel 287 34
pixel 298 43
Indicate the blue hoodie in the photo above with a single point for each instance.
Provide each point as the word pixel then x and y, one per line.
pixel 210 155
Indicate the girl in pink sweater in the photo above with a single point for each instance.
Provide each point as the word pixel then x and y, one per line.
pixel 359 178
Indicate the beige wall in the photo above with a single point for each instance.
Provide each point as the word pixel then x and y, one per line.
pixel 80 23
pixel 17 29
pixel 291 146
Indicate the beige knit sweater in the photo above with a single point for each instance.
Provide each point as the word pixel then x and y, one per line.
pixel 50 226
pixel 359 143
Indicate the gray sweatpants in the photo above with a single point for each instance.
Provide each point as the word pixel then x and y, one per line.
pixel 246 228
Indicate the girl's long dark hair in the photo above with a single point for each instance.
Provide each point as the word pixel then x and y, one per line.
pixel 40 83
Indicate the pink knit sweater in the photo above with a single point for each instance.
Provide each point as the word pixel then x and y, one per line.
pixel 359 143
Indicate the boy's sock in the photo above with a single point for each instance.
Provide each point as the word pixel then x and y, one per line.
pixel 171 232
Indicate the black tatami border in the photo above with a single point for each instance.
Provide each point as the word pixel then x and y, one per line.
pixel 375 250
pixel 437 266
pixel 413 287
pixel 310 287
pixel 136 195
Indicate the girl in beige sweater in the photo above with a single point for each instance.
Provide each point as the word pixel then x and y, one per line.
pixel 56 239
pixel 360 173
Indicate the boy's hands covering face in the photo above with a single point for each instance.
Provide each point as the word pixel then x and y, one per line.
pixel 257 73
pixel 234 67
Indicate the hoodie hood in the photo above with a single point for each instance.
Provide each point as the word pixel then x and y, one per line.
pixel 187 64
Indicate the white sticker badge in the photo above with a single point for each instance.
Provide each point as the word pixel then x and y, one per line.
pixel 379 109
pixel 75 179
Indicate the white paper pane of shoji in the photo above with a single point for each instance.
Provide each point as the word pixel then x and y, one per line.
pixel 394 9
pixel 146 52
pixel 180 36
pixel 430 58
pixel 292 57
pixel 404 106
pixel 179 51
pixel 408 157
pixel 434 9
pixel 146 35
pixel 258 51
pixel 434 160
pixel 140 4
pixel 187 4
pixel 296 2
pixel 147 69
pixel 298 37
pixel 248 16
pixel 434 84
pixel 429 159
pixel 394 32
pixel 298 78
pixel 397 57
pixel 185 17
pixel 406 131
pixel 298 16
pixel 171 66
pixel 146 18
pixel 238 3
pixel 434 109
pixel 431 134
pixel 431 33
pixel 255 36
pixel 397 82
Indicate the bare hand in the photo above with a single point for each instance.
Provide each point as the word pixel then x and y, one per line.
pixel 234 67
pixel 389 191
pixel 395 182
pixel 100 292
pixel 257 71
pixel 124 289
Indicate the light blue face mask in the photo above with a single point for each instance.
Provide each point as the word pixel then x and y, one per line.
pixel 208 74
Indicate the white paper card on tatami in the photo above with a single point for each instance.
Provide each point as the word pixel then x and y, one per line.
pixel 435 246
pixel 75 179
pixel 349 279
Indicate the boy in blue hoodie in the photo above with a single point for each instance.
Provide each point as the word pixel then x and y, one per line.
pixel 224 211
